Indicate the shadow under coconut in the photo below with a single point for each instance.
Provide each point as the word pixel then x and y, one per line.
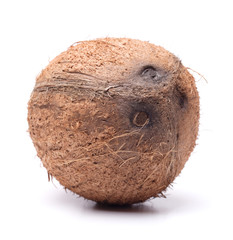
pixel 133 208
pixel 178 202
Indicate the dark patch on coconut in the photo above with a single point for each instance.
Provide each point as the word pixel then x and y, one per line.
pixel 153 74
pixel 183 100
pixel 141 119
pixel 149 72
pixel 143 115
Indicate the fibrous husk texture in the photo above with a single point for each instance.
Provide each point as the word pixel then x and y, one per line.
pixel 114 120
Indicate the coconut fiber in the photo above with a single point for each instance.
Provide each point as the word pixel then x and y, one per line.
pixel 114 120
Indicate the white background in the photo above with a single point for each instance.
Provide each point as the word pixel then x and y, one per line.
pixel 199 206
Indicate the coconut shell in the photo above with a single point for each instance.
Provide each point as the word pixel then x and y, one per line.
pixel 114 120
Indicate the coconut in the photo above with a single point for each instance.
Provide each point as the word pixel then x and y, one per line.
pixel 114 120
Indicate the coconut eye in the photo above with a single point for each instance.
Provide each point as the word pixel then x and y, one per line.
pixel 149 73
pixel 140 119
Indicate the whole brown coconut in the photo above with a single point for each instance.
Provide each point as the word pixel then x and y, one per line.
pixel 114 120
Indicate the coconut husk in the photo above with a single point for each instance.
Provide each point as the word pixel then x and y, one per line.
pixel 114 120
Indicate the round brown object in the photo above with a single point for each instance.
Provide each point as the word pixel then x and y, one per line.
pixel 114 120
